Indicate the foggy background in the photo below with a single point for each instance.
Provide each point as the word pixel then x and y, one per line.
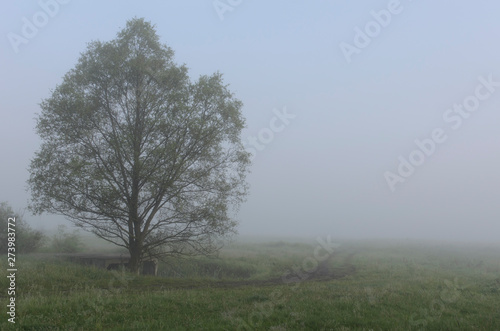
pixel 321 172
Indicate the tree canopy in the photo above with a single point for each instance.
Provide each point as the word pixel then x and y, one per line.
pixel 135 152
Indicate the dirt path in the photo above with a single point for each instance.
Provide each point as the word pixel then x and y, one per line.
pixel 324 272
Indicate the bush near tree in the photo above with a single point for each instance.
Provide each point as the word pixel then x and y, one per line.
pixel 27 239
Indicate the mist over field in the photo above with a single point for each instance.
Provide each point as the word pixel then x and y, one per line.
pixel 366 120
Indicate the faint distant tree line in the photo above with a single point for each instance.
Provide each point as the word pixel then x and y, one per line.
pixel 29 240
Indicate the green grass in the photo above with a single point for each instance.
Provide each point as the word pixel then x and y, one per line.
pixel 395 286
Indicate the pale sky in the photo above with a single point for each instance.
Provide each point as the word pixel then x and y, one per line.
pixel 354 84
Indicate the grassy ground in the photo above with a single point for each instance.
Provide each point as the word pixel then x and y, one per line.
pixel 270 286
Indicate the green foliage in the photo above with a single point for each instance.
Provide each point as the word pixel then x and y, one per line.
pixel 27 239
pixel 139 155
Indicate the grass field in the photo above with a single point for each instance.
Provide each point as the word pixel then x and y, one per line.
pixel 278 285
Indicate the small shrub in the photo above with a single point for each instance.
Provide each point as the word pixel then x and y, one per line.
pixel 27 239
pixel 65 242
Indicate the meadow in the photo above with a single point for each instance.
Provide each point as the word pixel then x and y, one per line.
pixel 270 285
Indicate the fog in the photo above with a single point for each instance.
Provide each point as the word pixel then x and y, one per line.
pixel 373 119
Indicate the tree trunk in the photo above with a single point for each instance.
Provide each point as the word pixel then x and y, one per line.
pixel 134 264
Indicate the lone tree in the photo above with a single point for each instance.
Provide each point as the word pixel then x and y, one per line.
pixel 136 153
